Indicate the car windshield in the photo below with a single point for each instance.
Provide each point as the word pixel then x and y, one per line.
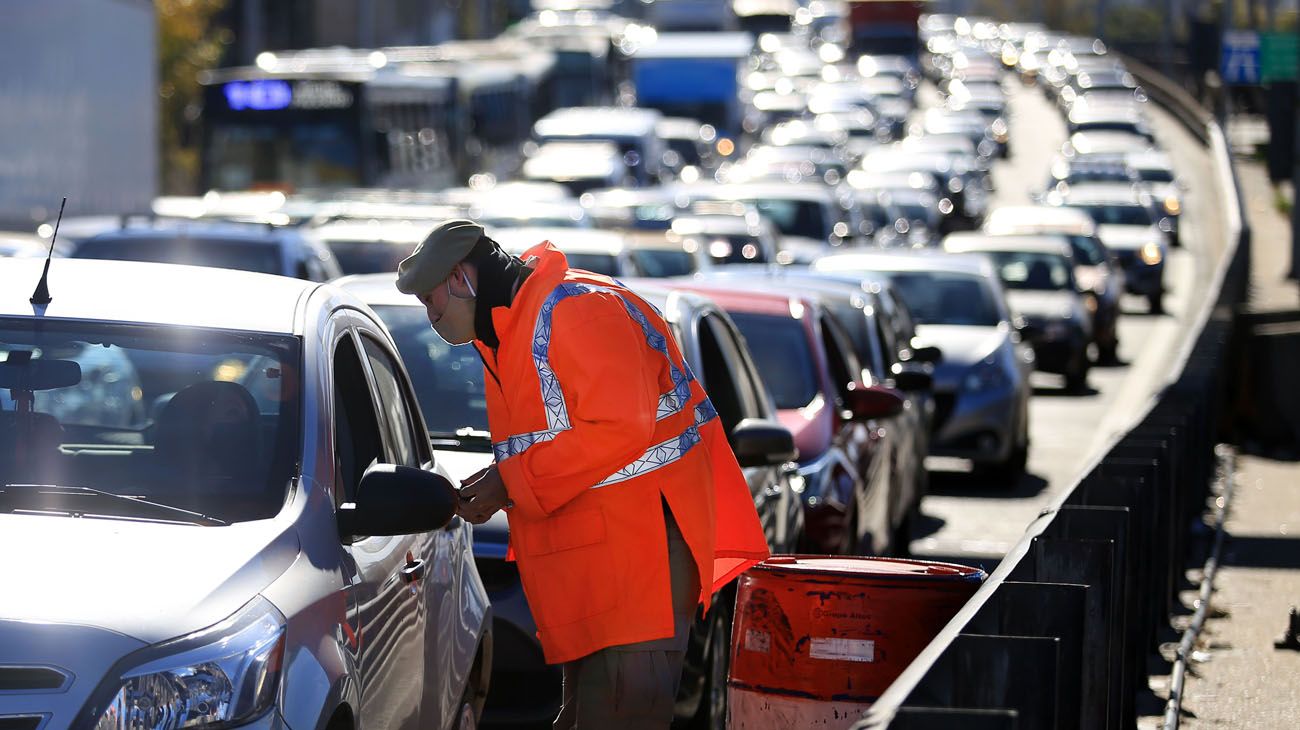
pixel 1033 271
pixel 196 420
pixel 805 218
pixel 448 380
pixel 1156 175
pixel 222 253
pixel 779 346
pixel 936 297
pixel 1087 250
pixel 729 248
pixel 1118 215
pixel 369 257
pixel 597 263
pixel 661 262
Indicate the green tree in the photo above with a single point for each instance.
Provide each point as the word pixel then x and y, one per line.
pixel 189 42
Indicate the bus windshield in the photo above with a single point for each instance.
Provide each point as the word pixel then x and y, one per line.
pixel 290 154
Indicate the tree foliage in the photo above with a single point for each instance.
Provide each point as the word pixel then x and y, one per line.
pixel 190 41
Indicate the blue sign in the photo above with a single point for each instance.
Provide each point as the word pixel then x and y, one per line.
pixel 258 95
pixel 1239 62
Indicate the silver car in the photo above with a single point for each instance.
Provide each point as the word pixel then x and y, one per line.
pixel 219 507
pixel 981 387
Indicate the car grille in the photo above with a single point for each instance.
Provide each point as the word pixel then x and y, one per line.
pixel 943 405
pixel 27 679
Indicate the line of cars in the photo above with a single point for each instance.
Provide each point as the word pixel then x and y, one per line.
pixel 819 270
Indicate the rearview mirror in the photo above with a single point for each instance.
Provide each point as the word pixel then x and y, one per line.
pixel 757 442
pixel 875 402
pixel 398 500
pixel 21 373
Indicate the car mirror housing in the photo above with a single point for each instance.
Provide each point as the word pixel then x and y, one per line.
pixel 928 354
pixel 757 442
pixel 398 500
pixel 875 402
pixel 911 379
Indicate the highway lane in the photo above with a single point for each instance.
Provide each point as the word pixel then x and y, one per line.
pixel 970 519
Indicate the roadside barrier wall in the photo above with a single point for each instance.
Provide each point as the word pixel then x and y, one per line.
pixel 1059 634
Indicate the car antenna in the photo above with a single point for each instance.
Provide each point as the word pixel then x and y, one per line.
pixel 42 294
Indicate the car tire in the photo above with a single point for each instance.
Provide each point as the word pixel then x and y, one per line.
pixel 712 711
pixel 1009 472
pixel 1076 381
pixel 1156 303
pixel 1108 352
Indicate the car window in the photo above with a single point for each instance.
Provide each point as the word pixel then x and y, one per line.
pixel 369 257
pixel 843 364
pixel 719 364
pixel 357 442
pixel 1118 215
pixel 196 419
pixel 1032 271
pixel 257 256
pixel 448 380
pixel 947 298
pixel 1088 250
pixel 659 263
pixel 399 421
pixel 781 350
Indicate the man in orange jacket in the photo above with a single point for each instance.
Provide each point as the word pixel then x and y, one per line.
pixel 627 509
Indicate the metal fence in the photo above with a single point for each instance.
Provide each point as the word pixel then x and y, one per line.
pixel 1059 634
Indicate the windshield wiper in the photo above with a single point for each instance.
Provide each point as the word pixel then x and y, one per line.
pixel 462 438
pixel 36 497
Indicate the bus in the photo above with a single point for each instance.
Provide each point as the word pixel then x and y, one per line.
pixel 331 118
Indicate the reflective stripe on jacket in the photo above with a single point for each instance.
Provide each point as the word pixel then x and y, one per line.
pixel 596 419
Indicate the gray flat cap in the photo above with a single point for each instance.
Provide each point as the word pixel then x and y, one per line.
pixel 433 260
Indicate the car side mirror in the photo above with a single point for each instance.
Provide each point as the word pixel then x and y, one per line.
pixel 928 354
pixel 875 402
pixel 757 442
pixel 398 500
pixel 912 379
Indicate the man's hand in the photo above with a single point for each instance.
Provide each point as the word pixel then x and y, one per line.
pixel 483 494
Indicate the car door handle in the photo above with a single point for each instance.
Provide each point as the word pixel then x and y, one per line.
pixel 413 571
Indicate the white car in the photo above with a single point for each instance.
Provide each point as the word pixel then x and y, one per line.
pixel 221 508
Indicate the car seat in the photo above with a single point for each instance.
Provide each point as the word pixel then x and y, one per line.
pixel 208 437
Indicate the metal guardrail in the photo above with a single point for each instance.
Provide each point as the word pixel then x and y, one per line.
pixel 1058 635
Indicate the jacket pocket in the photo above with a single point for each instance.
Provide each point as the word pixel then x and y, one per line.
pixel 566 568
pixel 563 531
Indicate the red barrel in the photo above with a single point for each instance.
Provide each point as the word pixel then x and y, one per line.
pixel 817 639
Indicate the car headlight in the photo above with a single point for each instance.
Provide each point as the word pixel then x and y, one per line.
pixel 1151 254
pixel 987 375
pixel 1172 205
pixel 219 677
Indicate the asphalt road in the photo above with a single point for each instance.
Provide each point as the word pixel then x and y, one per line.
pixel 972 520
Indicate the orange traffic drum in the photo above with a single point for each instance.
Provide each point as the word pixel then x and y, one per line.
pixel 817 639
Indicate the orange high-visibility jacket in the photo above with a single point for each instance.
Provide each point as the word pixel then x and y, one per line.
pixel 596 420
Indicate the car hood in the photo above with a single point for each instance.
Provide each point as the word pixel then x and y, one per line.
pixel 1129 238
pixel 1041 304
pixel 145 580
pixel 962 345
pixel 493 535
pixel 811 426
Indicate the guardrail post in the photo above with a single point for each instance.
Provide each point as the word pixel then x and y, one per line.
pixel 997 672
pixel 944 718
pixel 1075 522
pixel 1090 563
pixel 1044 610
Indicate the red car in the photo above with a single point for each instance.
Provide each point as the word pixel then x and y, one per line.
pixel 810 369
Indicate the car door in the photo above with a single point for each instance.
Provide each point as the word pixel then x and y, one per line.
pixel 868 443
pixel 727 377
pixel 441 553
pixel 386 610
